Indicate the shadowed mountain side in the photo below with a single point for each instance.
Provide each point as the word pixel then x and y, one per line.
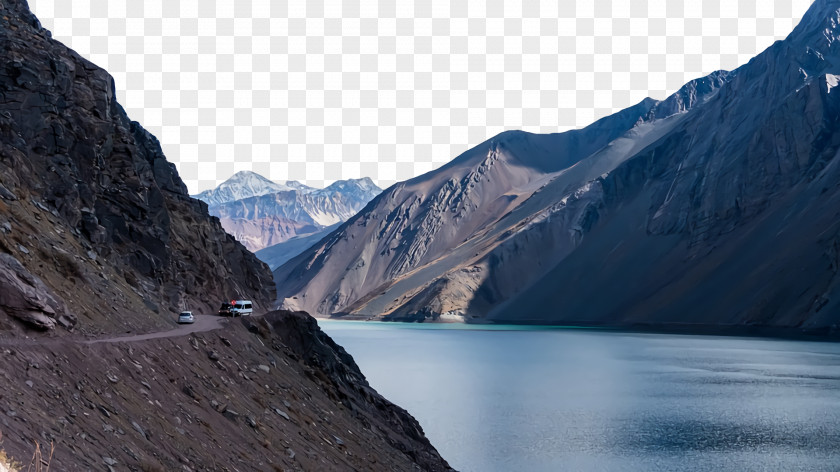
pixel 757 247
pixel 447 215
pixel 414 222
pixel 277 254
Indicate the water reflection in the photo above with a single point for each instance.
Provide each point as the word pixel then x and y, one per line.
pixel 584 400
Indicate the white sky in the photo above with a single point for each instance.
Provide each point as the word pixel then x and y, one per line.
pixel 318 91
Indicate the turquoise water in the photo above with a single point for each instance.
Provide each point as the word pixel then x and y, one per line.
pixel 527 398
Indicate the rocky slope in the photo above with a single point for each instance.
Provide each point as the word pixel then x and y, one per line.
pixel 272 217
pixel 266 394
pixel 96 227
pixel 715 207
pixel 97 236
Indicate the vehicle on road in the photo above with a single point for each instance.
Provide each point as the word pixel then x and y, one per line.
pixel 241 307
pixel 186 317
pixel 224 310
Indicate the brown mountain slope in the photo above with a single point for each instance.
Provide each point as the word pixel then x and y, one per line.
pixel 281 397
pixel 90 206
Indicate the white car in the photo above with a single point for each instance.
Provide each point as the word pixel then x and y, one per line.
pixel 186 317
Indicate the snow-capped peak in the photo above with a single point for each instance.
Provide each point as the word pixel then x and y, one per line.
pixel 241 185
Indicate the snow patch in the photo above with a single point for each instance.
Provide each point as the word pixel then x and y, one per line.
pixel 831 81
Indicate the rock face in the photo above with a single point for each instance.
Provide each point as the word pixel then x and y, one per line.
pixel 95 224
pixel 716 207
pixel 266 213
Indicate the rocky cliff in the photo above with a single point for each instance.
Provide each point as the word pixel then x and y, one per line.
pixel 98 235
pixel 96 228
pixel 713 208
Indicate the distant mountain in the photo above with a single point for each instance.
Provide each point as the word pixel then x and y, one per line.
pixel 264 216
pixel 715 207
pixel 246 184
pixel 277 254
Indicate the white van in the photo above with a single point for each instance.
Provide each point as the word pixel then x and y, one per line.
pixel 241 307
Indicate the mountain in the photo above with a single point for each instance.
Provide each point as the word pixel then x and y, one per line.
pixel 716 207
pixel 97 230
pixel 245 184
pixel 278 254
pixel 265 220
pixel 100 247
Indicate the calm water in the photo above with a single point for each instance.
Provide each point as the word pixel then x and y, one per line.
pixel 555 399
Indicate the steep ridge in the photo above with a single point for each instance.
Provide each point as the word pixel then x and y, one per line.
pixel 97 228
pixel 436 219
pixel 735 224
pixel 98 235
pixel 268 219
pixel 715 208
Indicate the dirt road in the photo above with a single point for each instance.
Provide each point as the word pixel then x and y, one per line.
pixel 202 323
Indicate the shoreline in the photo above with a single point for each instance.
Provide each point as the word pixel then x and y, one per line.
pixel 826 334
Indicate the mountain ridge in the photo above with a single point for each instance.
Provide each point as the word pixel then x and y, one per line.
pixel 261 217
pixel 711 160
pixel 245 184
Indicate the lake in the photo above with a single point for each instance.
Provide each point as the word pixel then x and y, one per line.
pixel 546 399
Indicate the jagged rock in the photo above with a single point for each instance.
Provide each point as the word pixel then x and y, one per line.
pixel 139 429
pixel 230 414
pixel 6 194
pixel 25 297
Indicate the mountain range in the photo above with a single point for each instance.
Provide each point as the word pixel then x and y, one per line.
pixel 716 207
pixel 261 213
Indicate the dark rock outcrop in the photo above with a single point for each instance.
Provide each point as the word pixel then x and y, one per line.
pixel 90 206
pixel 25 297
